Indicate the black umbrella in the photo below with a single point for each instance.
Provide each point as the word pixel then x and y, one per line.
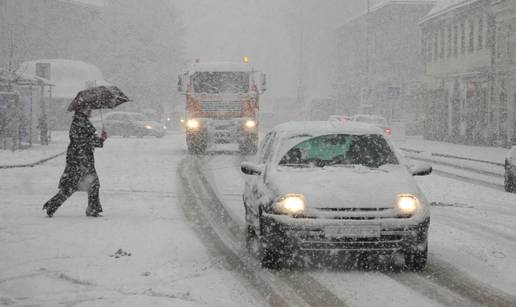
pixel 99 97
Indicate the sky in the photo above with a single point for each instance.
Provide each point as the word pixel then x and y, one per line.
pixel 268 31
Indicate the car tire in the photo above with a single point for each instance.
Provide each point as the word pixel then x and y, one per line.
pixel 416 260
pixel 509 184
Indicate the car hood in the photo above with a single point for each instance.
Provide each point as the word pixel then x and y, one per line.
pixel 151 123
pixel 341 187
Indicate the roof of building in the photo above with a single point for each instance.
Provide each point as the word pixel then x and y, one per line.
pixel 69 77
pixel 444 6
pixel 406 2
pixel 386 3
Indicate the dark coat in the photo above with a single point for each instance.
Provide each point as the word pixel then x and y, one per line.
pixel 80 173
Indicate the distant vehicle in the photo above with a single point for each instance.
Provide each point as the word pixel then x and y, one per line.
pixel 310 190
pixel 510 169
pixel 376 120
pixel 340 118
pixel 222 104
pixel 128 124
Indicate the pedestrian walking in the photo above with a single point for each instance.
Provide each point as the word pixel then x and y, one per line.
pixel 80 173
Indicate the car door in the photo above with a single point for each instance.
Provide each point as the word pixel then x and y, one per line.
pixel 251 190
pixel 257 188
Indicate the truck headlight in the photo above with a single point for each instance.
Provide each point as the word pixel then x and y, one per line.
pixel 407 204
pixel 193 124
pixel 291 204
pixel 250 124
pixel 148 127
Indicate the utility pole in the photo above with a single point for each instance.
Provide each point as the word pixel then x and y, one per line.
pixel 300 87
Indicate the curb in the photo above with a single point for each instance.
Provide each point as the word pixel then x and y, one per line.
pixel 32 164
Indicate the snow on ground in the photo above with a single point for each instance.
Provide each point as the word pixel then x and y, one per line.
pixel 472 229
pixel 493 154
pixel 72 259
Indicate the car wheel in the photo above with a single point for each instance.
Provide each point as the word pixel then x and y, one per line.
pixel 509 184
pixel 416 260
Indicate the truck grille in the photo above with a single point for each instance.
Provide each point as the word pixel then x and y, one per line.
pixel 221 106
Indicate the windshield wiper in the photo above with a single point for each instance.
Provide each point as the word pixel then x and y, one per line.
pixel 296 165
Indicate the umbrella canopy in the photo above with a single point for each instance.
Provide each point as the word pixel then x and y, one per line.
pixel 99 97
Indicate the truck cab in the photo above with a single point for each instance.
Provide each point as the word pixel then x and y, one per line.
pixel 222 103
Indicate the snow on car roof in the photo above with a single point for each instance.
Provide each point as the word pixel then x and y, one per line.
pixel 220 67
pixel 315 128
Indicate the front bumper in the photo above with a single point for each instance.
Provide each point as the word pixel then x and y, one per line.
pixel 312 234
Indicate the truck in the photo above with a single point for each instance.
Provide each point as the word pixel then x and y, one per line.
pixel 222 104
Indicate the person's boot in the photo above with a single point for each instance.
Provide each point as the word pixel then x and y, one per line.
pixel 50 210
pixel 93 212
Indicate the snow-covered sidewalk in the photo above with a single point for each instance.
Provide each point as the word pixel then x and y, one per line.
pixel 141 253
pixel 36 153
pixel 417 143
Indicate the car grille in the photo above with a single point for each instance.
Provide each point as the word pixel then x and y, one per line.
pixel 221 106
pixel 355 213
pixel 314 239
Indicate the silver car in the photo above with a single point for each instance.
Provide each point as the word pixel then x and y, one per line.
pixel 333 187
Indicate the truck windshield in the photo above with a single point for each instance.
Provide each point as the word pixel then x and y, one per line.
pixel 220 82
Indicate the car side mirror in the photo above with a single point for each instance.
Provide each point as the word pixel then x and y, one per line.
pixel 420 169
pixel 180 84
pixel 249 168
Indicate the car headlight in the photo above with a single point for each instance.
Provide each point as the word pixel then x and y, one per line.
pixel 193 124
pixel 291 204
pixel 407 204
pixel 148 127
pixel 250 124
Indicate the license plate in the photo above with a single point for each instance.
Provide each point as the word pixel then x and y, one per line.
pixel 353 231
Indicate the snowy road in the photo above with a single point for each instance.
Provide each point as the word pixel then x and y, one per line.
pixel 181 219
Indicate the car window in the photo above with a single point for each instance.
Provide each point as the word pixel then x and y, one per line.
pixel 266 149
pixel 340 149
pixel 372 120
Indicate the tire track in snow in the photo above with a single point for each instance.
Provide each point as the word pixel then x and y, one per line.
pixel 190 201
pixel 446 284
pixel 303 288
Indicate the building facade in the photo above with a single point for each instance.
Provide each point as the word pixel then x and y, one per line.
pixel 379 67
pixel 469 52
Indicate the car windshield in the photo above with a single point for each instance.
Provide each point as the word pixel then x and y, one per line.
pixel 340 149
pixel 138 117
pixel 221 82
pixel 372 120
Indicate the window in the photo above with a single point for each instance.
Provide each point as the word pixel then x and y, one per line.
pixel 455 39
pixel 436 46
pixel 449 44
pixel 429 42
pixel 442 41
pixel 462 38
pixel 471 45
pixel 266 148
pixel 340 149
pixel 480 33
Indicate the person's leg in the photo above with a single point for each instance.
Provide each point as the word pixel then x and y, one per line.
pixel 94 207
pixel 55 202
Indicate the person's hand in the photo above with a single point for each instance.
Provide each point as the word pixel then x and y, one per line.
pixel 103 135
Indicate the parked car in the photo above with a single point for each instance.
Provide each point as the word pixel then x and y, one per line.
pixel 329 186
pixel 510 169
pixel 341 118
pixel 376 120
pixel 128 124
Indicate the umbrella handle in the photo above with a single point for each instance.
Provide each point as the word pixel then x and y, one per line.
pixel 101 120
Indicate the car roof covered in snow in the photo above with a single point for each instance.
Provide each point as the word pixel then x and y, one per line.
pixel 316 128
pixel 219 67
